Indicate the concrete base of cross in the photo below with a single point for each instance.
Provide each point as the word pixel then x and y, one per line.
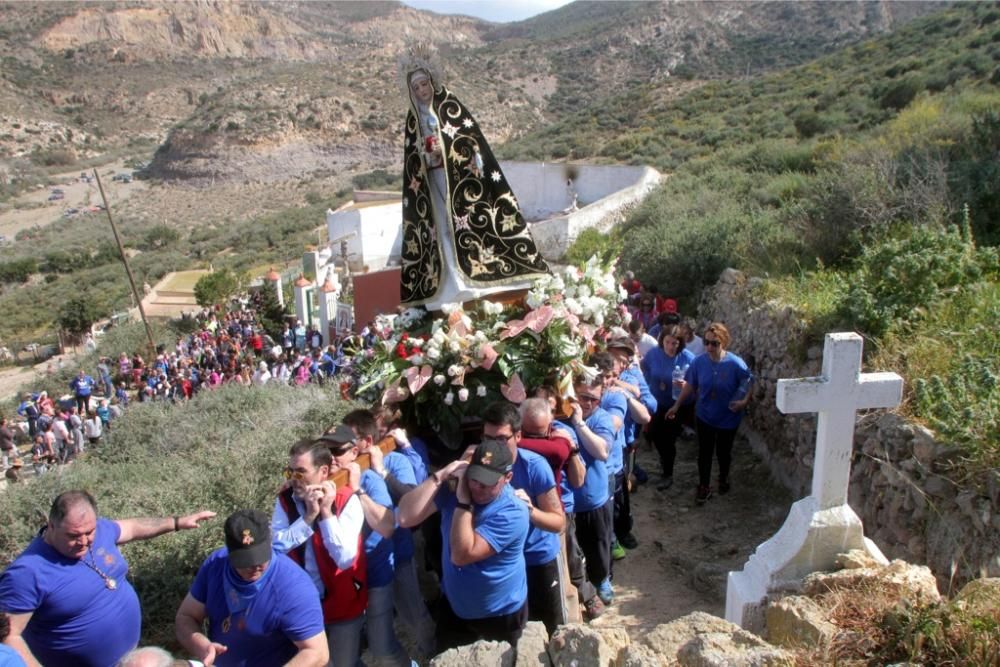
pixel 809 541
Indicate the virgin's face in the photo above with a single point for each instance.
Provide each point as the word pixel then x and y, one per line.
pixel 422 89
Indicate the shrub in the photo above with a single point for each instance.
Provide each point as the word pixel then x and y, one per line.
pixel 808 124
pixel 897 280
pixel 222 451
pixel 216 288
pixel 900 93
pixel 77 315
pixel 591 242
pixel 18 270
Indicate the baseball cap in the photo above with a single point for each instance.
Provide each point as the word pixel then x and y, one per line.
pixel 248 538
pixel 491 461
pixel 339 438
pixel 622 343
pixel 669 306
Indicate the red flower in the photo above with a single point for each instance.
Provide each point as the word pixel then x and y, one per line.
pixel 401 351
pixel 405 336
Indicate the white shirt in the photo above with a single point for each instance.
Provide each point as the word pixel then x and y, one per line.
pixel 340 536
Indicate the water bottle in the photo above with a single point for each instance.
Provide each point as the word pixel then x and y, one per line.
pixel 678 376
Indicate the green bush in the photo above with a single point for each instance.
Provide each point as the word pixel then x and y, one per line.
pixel 216 288
pixel 18 270
pixel 896 281
pixel 591 242
pixel 222 451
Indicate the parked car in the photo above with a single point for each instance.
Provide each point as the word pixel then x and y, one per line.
pixel 124 178
pixel 56 196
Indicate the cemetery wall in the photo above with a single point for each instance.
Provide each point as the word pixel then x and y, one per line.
pixel 900 482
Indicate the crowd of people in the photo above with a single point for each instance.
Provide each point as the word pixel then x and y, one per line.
pixel 335 565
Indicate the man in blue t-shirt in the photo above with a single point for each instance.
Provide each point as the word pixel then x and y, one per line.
pixel 483 528
pixel 535 484
pixel 261 608
pixel 595 431
pixel 67 594
pixel 628 379
pixel 397 471
pixel 380 522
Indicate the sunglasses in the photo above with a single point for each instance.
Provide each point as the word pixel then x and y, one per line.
pixel 294 474
pixel 582 398
pixel 713 343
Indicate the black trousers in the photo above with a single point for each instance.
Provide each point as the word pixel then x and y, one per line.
pixel 545 595
pixel 714 442
pixel 623 500
pixel 453 631
pixel 664 433
pixel 593 532
pixel 575 562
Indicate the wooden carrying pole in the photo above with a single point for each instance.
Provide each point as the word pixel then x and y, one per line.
pixel 386 444
pixel 128 269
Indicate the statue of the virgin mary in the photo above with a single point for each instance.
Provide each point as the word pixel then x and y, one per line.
pixel 463 233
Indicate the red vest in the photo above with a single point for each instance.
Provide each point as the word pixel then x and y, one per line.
pixel 555 449
pixel 346 590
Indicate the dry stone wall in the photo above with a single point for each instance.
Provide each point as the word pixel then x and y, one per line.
pixel 900 483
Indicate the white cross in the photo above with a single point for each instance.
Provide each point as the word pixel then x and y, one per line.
pixel 837 395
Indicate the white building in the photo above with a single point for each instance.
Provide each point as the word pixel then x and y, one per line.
pixel 558 200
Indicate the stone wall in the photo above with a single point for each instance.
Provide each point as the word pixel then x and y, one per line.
pixel 900 484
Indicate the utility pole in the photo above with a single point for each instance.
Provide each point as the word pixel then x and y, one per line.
pixel 128 269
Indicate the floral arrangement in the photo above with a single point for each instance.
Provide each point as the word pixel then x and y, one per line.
pixel 443 371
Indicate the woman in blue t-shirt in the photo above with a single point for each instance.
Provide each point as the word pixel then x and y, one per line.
pixel 658 367
pixel 721 382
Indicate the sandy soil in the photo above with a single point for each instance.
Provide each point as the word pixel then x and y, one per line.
pixel 685 550
pixel 78 193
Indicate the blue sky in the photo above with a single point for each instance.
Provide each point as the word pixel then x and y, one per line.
pixel 500 11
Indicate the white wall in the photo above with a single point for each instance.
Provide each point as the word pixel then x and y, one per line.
pixel 604 192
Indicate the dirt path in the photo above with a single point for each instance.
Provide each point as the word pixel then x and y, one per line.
pixel 685 551
pixel 38 210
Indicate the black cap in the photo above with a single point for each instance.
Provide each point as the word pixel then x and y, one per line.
pixel 339 438
pixel 248 538
pixel 491 461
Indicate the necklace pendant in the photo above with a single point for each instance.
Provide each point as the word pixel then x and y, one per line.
pixel 111 583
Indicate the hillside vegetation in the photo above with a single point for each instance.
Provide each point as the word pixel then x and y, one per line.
pixel 864 185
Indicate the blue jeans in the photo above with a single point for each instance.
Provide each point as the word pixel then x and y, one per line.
pixel 411 608
pixel 382 642
pixel 344 640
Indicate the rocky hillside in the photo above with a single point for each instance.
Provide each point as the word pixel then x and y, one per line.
pixel 259 92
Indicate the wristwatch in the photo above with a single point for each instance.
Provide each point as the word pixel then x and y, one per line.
pixel 360 491
pixel 464 506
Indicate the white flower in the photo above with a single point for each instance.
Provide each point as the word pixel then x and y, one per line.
pixel 463 394
pixel 534 299
pixel 570 273
pixel 599 319
pixel 433 353
pixel 449 308
pixel 583 291
pixel 558 284
pixel 491 308
pixel 481 391
pixel 416 359
pixel 573 306
pixel 454 346
pixel 455 370
pixel 449 398
pixel 417 342
pixel 568 292
pixel 480 337
pixel 439 337
pixel 439 379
